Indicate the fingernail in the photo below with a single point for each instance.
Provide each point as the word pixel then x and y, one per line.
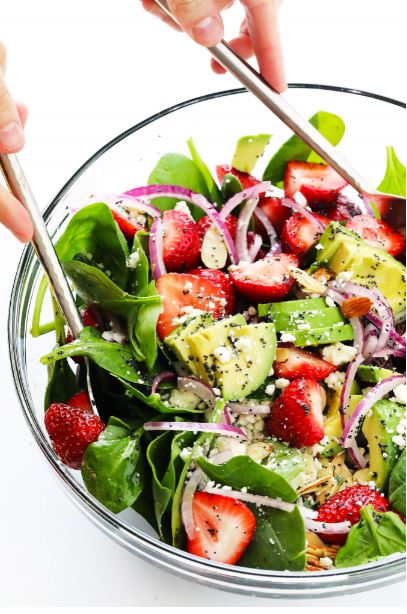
pixel 12 136
pixel 208 31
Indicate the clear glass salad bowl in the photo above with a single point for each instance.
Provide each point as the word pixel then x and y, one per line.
pixel 215 122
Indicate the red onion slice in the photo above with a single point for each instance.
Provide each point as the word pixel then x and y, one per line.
pixel 358 332
pixel 197 427
pixel 329 528
pixel 115 201
pixel 198 387
pixel 247 408
pixel 165 376
pixel 255 247
pixel 246 194
pixel 242 228
pixel 346 388
pixel 299 204
pixel 156 249
pixel 269 228
pixel 173 191
pixel 393 333
pixel 356 455
pixel 373 396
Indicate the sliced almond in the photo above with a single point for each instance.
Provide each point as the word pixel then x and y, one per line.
pixel 214 253
pixel 356 307
pixel 309 284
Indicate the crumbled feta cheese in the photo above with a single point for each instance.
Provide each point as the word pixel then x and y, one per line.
pixel 271 372
pixel 244 343
pixel 223 354
pixel 270 389
pixel 211 305
pixel 182 206
pixel 344 276
pixel 326 562
pixel 329 301
pixel 287 337
pixel 188 286
pixel 304 326
pixel 319 246
pixel 339 353
pixel 133 260
pixel 185 452
pixel 216 392
pixel 400 393
pixel 282 383
pixel 335 380
pixel 111 335
pixel 400 438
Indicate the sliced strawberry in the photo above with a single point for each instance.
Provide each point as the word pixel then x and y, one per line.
pixel 300 234
pixel 183 292
pixel 90 317
pixel 318 182
pixel 222 281
pixel 340 210
pixel 275 211
pixel 205 222
pixel 181 245
pixel 224 528
pixel 346 504
pixel 246 180
pixel 296 416
pixel 126 223
pixel 291 363
pixel 81 400
pixel 265 280
pixel 378 234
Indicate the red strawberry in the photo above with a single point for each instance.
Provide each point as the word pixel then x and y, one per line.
pixel 205 222
pixel 81 400
pixel 246 180
pixel 71 430
pixel 126 223
pixel 346 504
pixel 299 234
pixel 265 280
pixel 275 211
pixel 181 291
pixel 90 317
pixel 296 416
pixel 378 234
pixel 224 528
pixel 318 182
pixel 181 245
pixel 291 363
pixel 222 281
pixel 341 209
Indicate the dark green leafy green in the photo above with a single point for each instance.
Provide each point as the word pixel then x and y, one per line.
pixel 115 358
pixel 177 169
pixel 93 233
pixel 61 384
pixel 213 190
pixel 113 467
pixel 248 150
pixel 279 541
pixel 329 125
pixel 397 485
pixel 375 535
pixel 138 276
pixel 242 471
pixel 394 180
pixel 145 327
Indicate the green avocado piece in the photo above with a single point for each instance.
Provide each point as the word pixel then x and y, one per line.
pixel 316 318
pixel 308 304
pixel 177 340
pixel 248 150
pixel 344 250
pixel 333 423
pixel 230 186
pixel 321 336
pixel 379 428
pixel 204 341
pixel 287 462
pixel 373 375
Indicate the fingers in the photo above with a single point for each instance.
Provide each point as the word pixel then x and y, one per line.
pixel 200 19
pixel 14 216
pixel 152 7
pixel 263 27
pixel 11 131
pixel 242 45
pixel 22 113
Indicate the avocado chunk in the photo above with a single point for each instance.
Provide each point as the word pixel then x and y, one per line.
pixel 314 318
pixel 333 423
pixel 379 428
pixel 288 307
pixel 233 356
pixel 287 462
pixel 373 375
pixel 321 336
pixel 248 150
pixel 177 340
pixel 344 250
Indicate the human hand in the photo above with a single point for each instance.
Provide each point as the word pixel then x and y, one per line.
pixel 12 120
pixel 259 33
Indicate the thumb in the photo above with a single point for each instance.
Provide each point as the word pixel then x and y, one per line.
pixel 200 19
pixel 11 132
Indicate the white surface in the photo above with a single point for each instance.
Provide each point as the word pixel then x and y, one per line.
pixel 89 70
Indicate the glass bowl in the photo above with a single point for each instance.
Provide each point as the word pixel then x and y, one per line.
pixel 215 122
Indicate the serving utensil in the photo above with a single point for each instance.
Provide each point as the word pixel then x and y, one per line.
pixel 42 244
pixel 391 206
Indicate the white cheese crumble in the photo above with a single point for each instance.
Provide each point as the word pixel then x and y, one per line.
pixel 400 438
pixel 326 562
pixel 339 353
pixel 287 337
pixel 244 343
pixel 335 380
pixel 183 207
pixel 282 383
pixel 223 354
pixel 133 260
pixel 400 393
pixel 216 392
pixel 329 301
pixel 344 276
pixel 111 335
pixel 270 389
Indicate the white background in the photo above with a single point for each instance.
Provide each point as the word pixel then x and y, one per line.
pixel 88 70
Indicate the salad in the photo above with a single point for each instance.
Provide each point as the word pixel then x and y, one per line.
pixel 246 341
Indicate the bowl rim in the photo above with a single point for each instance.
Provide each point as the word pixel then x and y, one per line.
pixel 226 577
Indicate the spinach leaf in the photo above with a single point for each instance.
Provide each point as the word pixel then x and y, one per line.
pixel 145 327
pixel 394 180
pixel 279 541
pixel 248 150
pixel 213 190
pixel 115 358
pixel 113 466
pixel 376 534
pixel 157 458
pixel 93 233
pixel 242 471
pixel 96 287
pixel 177 169
pixel 138 276
pixel 61 384
pixel 154 401
pixel 329 125
pixel 397 485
